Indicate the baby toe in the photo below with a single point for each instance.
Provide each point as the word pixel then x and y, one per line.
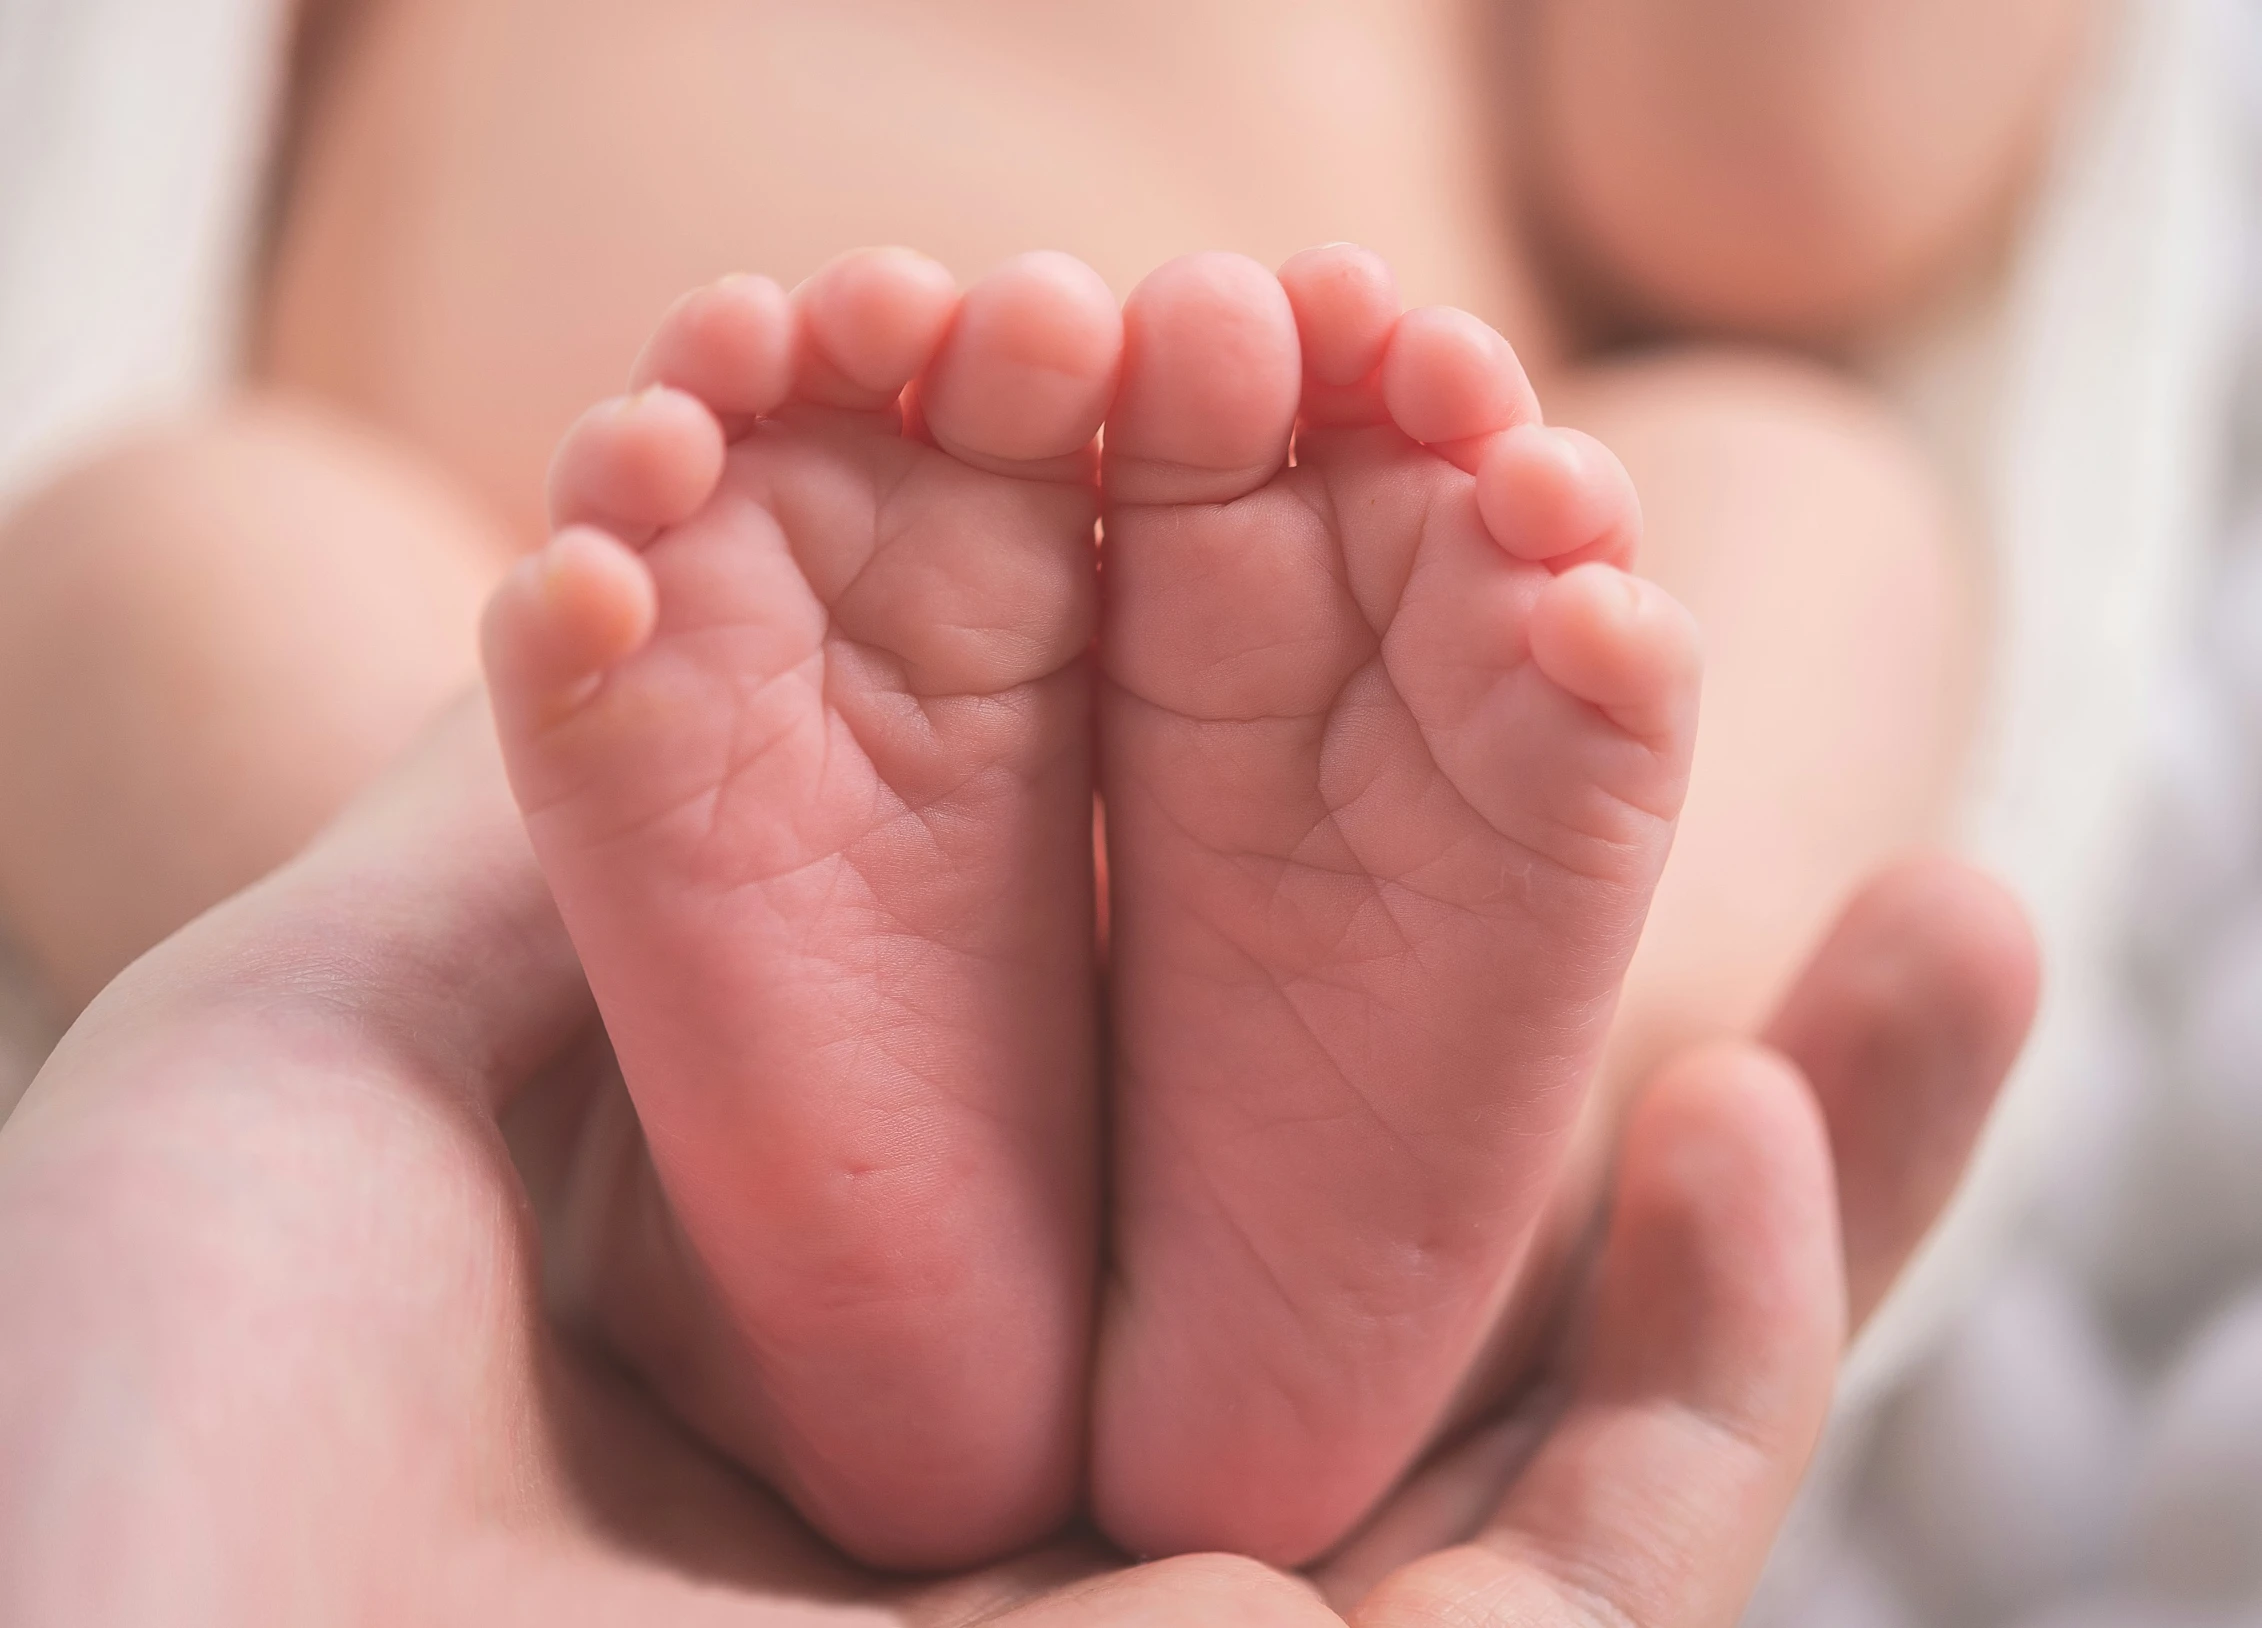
pixel 870 321
pixel 636 463
pixel 1558 496
pixel 1622 645
pixel 1028 369
pixel 730 344
pixel 1346 304
pixel 1448 379
pixel 562 616
pixel 1211 376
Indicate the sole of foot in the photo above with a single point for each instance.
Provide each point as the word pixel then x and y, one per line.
pixel 1392 747
pixel 796 702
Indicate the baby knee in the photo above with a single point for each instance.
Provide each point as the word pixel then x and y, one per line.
pixel 1765 431
pixel 210 634
pixel 1792 175
pixel 1774 487
pixel 249 500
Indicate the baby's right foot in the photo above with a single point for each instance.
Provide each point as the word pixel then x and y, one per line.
pixel 800 728
pixel 1392 749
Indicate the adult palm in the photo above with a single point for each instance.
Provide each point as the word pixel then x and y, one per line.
pixel 276 1347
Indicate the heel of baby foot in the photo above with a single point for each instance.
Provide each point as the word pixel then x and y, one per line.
pixel 1625 647
pixel 561 619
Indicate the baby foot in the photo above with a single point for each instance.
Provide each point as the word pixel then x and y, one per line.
pixel 1391 750
pixel 797 706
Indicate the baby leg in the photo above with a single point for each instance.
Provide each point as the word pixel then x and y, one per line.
pixel 1788 167
pixel 1843 617
pixel 209 638
pixel 1842 612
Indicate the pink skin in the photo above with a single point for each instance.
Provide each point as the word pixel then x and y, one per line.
pixel 799 726
pixel 1392 751
pixel 795 701
pixel 303 1088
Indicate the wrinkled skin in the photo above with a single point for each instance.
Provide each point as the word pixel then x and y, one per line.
pixel 276 1349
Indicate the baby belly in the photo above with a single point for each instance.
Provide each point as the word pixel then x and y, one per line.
pixel 493 200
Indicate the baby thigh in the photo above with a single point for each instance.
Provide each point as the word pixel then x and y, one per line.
pixel 210 637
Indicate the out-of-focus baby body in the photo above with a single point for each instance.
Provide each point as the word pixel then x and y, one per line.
pixel 492 201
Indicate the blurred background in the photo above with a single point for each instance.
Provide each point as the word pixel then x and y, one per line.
pixel 2076 1441
pixel 2058 1423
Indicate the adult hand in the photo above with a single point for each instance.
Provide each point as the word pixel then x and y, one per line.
pixel 1902 1026
pixel 276 1350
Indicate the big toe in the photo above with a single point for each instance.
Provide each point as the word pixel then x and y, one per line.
pixel 1029 367
pixel 1211 374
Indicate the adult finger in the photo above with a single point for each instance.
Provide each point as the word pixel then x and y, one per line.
pixel 1704 1383
pixel 416 924
pixel 1450 1496
pixel 1182 1592
pixel 1904 1023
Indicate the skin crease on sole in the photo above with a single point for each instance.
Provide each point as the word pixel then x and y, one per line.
pixel 1392 747
pixel 773 633
pixel 294 748
pixel 795 701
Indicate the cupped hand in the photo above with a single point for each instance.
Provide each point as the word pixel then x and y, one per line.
pixel 275 1347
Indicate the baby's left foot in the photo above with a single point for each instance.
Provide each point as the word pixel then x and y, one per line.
pixel 1392 747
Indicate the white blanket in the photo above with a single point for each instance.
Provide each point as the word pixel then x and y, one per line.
pixel 133 137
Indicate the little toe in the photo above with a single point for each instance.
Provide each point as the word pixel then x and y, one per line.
pixel 1558 496
pixel 1028 369
pixel 1211 376
pixel 730 344
pixel 1449 381
pixel 563 616
pixel 1623 645
pixel 1346 304
pixel 636 463
pixel 870 321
